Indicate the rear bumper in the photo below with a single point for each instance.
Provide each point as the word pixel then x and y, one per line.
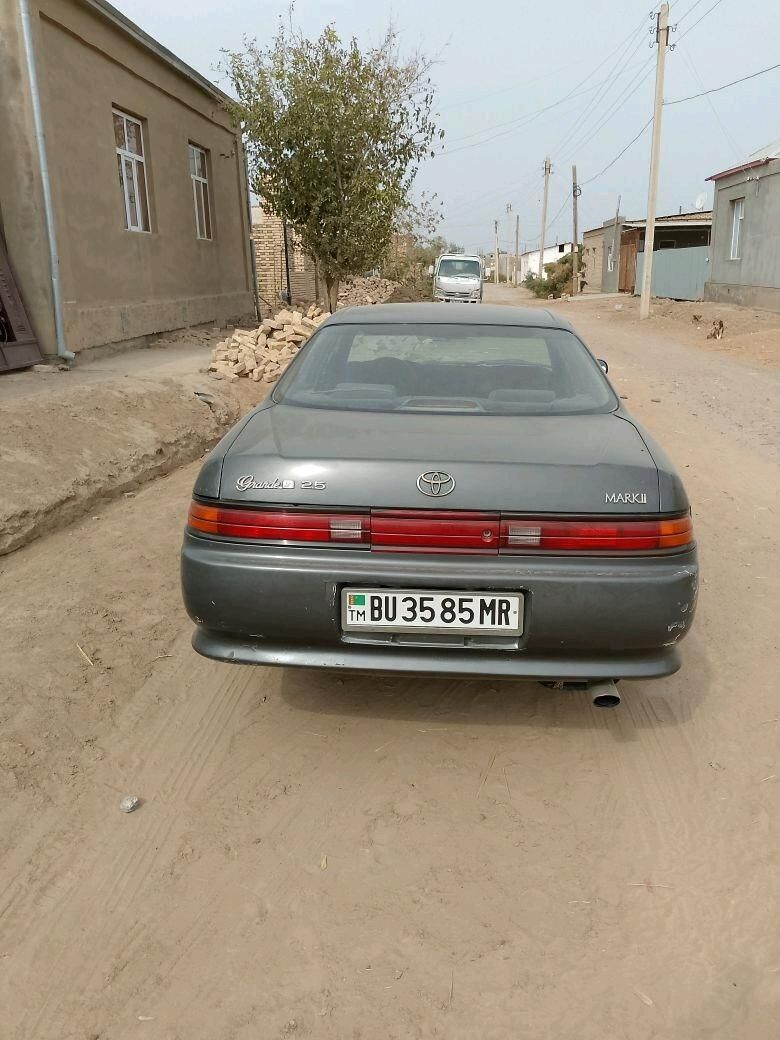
pixel 585 618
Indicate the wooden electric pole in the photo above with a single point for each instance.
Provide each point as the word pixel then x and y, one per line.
pixel 517 246
pixel 662 42
pixel 575 193
pixel 547 172
pixel 495 273
pixel 616 244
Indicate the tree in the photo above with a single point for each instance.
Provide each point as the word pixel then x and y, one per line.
pixel 334 138
pixel 557 279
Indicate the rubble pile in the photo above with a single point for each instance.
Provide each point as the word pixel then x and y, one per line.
pixel 262 354
pixel 357 292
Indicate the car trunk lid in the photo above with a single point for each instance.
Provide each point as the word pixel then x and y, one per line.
pixel 575 464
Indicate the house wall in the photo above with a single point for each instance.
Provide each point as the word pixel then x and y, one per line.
pixel 530 261
pixel 754 279
pixel 610 279
pixel 592 255
pixel 118 284
pixel 268 236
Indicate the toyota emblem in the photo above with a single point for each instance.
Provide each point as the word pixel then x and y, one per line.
pixel 435 483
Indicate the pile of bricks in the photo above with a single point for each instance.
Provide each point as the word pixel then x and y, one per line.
pixel 357 292
pixel 262 354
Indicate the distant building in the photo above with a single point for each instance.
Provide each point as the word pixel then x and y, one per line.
pixel 745 252
pixel 530 261
pixel 149 207
pixel 610 252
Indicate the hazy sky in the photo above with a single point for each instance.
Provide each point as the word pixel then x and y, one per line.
pixel 502 61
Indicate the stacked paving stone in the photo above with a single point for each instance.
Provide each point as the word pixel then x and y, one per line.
pixel 262 354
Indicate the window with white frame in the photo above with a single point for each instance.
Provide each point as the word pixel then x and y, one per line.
pixel 737 214
pixel 200 191
pixel 131 164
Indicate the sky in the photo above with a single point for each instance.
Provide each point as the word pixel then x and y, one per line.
pixel 591 65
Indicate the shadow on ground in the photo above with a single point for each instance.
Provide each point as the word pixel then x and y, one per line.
pixel 446 701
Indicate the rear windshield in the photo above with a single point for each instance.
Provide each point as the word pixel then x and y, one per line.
pixel 487 369
pixel 459 268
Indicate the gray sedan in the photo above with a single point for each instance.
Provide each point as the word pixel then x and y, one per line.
pixel 440 489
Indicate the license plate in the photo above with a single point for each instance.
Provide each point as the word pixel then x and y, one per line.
pixel 402 610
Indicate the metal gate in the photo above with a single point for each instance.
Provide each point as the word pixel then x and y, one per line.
pixel 678 274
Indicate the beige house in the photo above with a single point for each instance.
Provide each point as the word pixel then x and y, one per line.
pixel 123 198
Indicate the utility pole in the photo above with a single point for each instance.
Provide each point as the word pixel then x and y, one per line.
pixel 662 42
pixel 287 263
pixel 576 191
pixel 615 248
pixel 547 172
pixel 517 246
pixel 495 273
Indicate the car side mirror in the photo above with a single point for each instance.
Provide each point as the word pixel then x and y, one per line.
pixel 430 269
pixel 603 365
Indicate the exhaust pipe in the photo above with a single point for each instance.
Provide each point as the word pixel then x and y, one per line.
pixel 605 694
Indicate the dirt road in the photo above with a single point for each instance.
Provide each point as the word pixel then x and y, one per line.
pixel 330 857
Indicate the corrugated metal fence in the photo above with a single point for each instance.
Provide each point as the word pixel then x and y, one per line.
pixel 678 274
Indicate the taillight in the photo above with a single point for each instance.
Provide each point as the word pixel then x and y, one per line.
pixel 407 530
pixel 438 531
pixel 279 526
pixel 549 535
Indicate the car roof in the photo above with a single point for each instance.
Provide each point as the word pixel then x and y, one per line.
pixel 448 314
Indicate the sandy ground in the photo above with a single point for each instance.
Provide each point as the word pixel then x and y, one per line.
pixel 72 438
pixel 749 334
pixel 370 858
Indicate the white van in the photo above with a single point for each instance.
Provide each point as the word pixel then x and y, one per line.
pixel 458 278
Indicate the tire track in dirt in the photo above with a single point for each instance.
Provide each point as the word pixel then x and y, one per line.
pixel 203 731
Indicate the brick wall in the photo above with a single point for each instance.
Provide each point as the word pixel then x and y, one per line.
pixel 268 237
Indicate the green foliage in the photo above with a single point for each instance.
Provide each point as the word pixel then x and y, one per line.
pixel 429 249
pixel 334 138
pixel 557 279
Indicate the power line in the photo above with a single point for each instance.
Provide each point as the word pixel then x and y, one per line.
pixel 512 124
pixel 619 155
pixel 616 108
pixel 550 223
pixel 610 82
pixel 714 90
pixel 732 143
pixel 527 117
pixel 515 188
pixel 643 74
pixel 499 90
pixel 689 11
pixel 678 101
pixel 701 19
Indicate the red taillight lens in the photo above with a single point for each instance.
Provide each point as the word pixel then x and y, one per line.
pixel 433 531
pixel 542 535
pixel 407 530
pixel 279 526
